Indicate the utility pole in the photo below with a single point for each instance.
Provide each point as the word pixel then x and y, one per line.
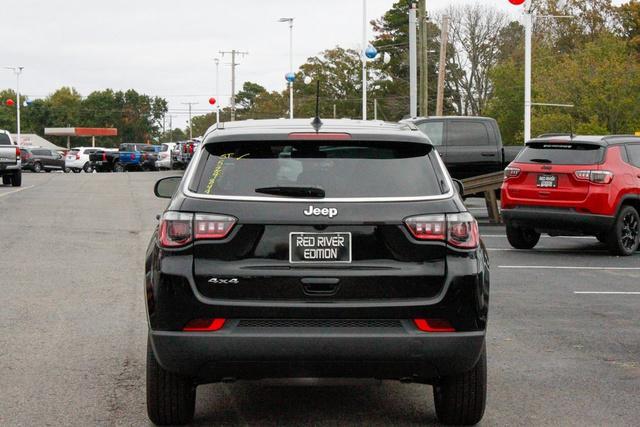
pixel 364 60
pixel 234 64
pixel 375 109
pixel 17 71
pixel 334 111
pixel 442 69
pixel 217 61
pixel 528 24
pixel 170 128
pixel 424 52
pixel 190 125
pixel 413 63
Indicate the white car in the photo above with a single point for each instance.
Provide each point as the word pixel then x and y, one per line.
pixel 78 159
pixel 165 160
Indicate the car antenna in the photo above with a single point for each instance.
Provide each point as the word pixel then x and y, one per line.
pixel 317 123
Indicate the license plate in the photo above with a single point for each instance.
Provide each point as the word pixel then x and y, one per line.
pixel 319 248
pixel 547 181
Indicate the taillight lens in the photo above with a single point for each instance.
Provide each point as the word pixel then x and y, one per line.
pixel 104 157
pixel 511 172
pixel 427 227
pixel 179 229
pixel 17 152
pixel 594 176
pixel 132 156
pixel 176 229
pixel 213 226
pixel 204 325
pixel 458 230
pixel 463 231
pixel 77 156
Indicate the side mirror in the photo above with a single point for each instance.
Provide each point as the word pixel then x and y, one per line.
pixel 459 186
pixel 166 187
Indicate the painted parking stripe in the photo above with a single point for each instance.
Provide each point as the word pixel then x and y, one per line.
pixel 565 267
pixel 544 237
pixel 16 191
pixel 605 293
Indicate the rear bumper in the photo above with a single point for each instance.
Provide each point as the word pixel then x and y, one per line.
pixel 164 163
pixel 255 353
pixel 556 219
pixel 10 168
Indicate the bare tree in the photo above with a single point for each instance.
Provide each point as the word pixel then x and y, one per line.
pixel 475 35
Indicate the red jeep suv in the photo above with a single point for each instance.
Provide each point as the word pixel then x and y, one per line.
pixel 575 185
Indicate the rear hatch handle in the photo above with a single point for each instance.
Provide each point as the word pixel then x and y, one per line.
pixel 320 286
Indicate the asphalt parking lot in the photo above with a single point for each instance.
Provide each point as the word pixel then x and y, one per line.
pixel 563 340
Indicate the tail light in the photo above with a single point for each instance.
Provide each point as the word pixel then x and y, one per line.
pixel 204 325
pixel 511 172
pixel 104 157
pixel 78 156
pixel 433 325
pixel 458 230
pixel 213 226
pixel 17 153
pixel 178 229
pixel 132 156
pixel 594 176
pixel 190 148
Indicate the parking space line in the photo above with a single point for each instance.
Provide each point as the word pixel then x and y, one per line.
pixel 16 191
pixel 576 251
pixel 565 267
pixel 605 293
pixel 545 237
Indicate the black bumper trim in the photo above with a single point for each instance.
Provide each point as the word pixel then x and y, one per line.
pixel 256 353
pixel 558 219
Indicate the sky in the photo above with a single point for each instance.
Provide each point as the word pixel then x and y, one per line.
pixel 167 48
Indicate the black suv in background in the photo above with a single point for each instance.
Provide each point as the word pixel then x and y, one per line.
pixel 469 146
pixel 333 250
pixel 42 159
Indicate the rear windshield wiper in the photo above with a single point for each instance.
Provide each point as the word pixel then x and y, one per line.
pixel 540 160
pixel 313 192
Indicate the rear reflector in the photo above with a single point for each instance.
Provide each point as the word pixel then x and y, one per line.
pixel 304 136
pixel 433 325
pixel 204 325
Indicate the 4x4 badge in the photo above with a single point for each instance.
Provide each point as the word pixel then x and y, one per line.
pixel 311 211
pixel 216 281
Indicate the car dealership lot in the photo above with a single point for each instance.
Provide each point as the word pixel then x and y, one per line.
pixel 72 346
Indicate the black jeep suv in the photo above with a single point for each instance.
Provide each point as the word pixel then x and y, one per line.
pixel 292 249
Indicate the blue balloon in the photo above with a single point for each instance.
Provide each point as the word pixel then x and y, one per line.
pixel 370 52
pixel 290 77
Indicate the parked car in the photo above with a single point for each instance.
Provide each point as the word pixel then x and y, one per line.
pixel 149 157
pixel 295 250
pixel 77 159
pixel 165 156
pixel 185 151
pixel 104 160
pixel 10 161
pixel 469 146
pixel 38 159
pixel 567 185
pixel 130 157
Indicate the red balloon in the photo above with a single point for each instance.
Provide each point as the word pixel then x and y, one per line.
pixel 516 2
pixel 212 101
pixel 10 102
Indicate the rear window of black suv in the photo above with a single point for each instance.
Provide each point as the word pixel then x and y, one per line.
pixel 339 169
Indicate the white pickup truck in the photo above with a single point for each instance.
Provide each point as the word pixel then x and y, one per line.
pixel 10 164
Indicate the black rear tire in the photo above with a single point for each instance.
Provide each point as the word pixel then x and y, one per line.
pixel 118 167
pixel 171 398
pixel 76 170
pixel 522 237
pixel 461 399
pixel 16 179
pixel 624 238
pixel 37 167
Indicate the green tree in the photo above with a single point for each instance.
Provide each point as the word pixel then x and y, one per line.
pixel 628 17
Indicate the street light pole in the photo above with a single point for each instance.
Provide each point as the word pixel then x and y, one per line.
pixel 528 24
pixel 364 60
pixel 17 71
pixel 290 79
pixel 217 61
